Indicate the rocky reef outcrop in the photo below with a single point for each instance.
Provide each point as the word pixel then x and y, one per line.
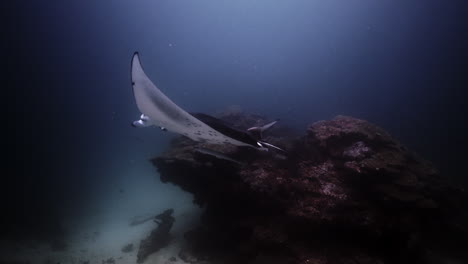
pixel 159 237
pixel 346 192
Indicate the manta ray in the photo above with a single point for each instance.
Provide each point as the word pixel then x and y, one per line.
pixel 158 110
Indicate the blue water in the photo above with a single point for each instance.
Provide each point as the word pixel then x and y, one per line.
pixel 399 64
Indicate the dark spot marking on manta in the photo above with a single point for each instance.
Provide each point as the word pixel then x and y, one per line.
pixel 133 83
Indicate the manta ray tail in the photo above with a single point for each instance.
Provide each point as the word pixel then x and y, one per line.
pixel 258 131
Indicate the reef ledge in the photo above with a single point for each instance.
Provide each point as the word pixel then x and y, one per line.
pixel 345 192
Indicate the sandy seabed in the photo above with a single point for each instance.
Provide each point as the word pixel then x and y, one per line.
pixel 98 236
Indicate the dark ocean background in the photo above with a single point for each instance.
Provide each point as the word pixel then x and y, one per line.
pixel 69 104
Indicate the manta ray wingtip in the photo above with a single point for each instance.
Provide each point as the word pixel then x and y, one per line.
pixel 135 56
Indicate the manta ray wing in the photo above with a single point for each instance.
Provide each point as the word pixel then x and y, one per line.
pixel 163 112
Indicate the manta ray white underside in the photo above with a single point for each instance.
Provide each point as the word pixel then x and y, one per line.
pixel 157 109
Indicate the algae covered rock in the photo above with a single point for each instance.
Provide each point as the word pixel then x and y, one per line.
pixel 346 192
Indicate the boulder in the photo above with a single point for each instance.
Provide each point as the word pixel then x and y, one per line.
pixel 346 192
pixel 159 237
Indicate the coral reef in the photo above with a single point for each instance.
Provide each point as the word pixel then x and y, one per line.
pixel 346 192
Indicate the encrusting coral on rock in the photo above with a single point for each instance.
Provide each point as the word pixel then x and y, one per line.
pixel 346 192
